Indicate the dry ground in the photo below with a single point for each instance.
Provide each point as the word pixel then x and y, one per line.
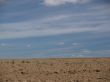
pixel 55 70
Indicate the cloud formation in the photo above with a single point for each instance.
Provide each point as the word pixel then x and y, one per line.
pixel 61 43
pixel 3 44
pixel 93 19
pixel 29 45
pixel 74 53
pixel 47 26
pixel 43 32
pixel 61 2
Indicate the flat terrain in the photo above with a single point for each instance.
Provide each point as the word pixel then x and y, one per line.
pixel 55 70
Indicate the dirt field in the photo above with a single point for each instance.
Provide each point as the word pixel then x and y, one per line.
pixel 55 70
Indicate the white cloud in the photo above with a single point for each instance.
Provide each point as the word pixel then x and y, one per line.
pixel 43 32
pixel 3 44
pixel 6 45
pixel 80 55
pixel 84 51
pixel 29 45
pixel 30 29
pixel 55 18
pixel 60 2
pixel 61 43
pixel 76 44
pixel 58 24
pixel 74 53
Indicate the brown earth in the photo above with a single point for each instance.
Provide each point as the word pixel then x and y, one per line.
pixel 55 70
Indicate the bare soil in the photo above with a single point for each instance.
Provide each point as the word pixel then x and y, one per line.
pixel 55 70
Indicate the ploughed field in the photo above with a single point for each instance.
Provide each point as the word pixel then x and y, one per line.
pixel 55 70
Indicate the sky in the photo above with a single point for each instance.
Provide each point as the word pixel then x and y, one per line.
pixel 54 28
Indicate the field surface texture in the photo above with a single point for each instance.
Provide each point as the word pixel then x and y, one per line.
pixel 55 70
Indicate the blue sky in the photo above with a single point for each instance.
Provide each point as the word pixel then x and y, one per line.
pixel 54 28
